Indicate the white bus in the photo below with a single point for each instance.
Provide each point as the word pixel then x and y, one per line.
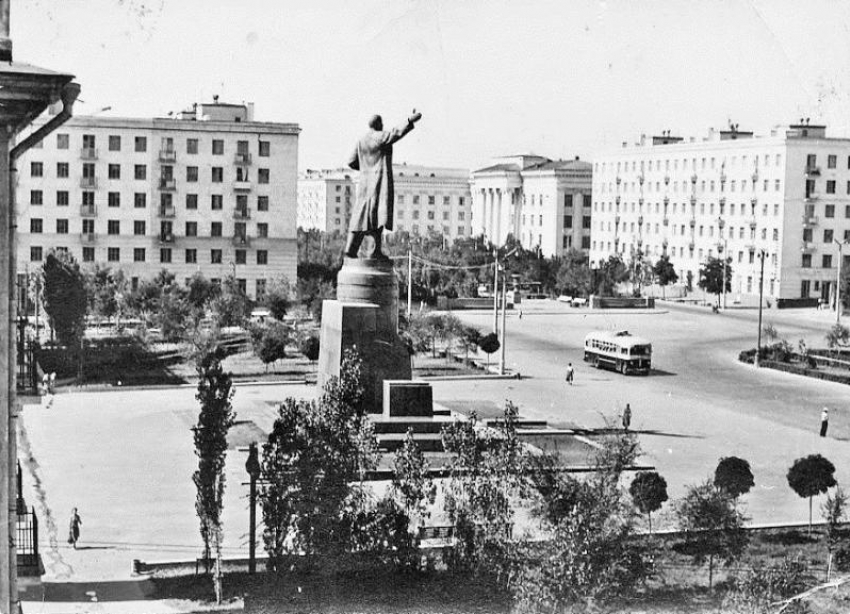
pixel 618 350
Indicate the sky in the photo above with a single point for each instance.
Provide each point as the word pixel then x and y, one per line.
pixel 559 78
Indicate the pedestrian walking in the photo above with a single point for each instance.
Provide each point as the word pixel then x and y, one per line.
pixel 824 421
pixel 570 374
pixel 627 417
pixel 520 314
pixel 74 528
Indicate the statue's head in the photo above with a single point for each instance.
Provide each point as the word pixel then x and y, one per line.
pixel 376 123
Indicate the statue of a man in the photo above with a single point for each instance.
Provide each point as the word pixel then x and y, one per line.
pixel 373 207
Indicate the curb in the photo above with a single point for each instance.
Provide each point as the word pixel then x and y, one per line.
pixel 236 383
pixel 456 378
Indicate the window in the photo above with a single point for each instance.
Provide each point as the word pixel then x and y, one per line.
pixel 242 175
pixel 36 225
pixel 36 252
pixel 585 222
pixel 191 256
pixel 447 200
pixel 62 226
pixel 807 261
pixel 62 198
pixel 776 234
pixel 262 175
pixel 215 229
pixel 240 256
pixel 138 254
pixel 215 256
pixel 829 211
pixel 165 255
pixel 114 171
pixel 140 200
pixel 63 141
pixel 139 227
pixel 430 215
pixel 191 201
pixel 88 227
pixel 830 186
pixel 191 146
pixel 191 174
pixel 191 229
pixel 847 211
pixel 36 169
pixel 777 185
pixel 218 147
pixel 826 261
pixel 62 170
pixel 461 215
pixel 88 254
pixel 36 197
pixel 217 174
pixel 113 227
pixel 140 172
pixel 831 161
pixel 265 149
pixel 114 199
pixel 262 231
pixel 141 143
pixel 262 203
pixel 807 235
pixel 431 200
pixel 113 254
pixel 827 235
pixel 216 202
pixel 114 142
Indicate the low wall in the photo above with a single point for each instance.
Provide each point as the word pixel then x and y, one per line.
pixel 445 303
pixel 621 302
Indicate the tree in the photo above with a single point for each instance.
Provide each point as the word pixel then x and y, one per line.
pixel 489 343
pixel 711 276
pixel 469 338
pixel 103 289
pixel 838 337
pixel 273 340
pixel 733 476
pixel 713 526
pixel 173 311
pixel 215 391
pixel 610 273
pixel 574 277
pixel 810 476
pixel 277 298
pixel 762 588
pixel 309 346
pixel 201 292
pixel 834 509
pixel 231 306
pixel 65 298
pixel 649 492
pixel 665 273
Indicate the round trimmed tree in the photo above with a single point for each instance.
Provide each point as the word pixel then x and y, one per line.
pixel 810 476
pixel 649 492
pixel 734 476
pixel 489 343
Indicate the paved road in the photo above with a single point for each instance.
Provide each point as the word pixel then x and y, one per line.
pixel 699 405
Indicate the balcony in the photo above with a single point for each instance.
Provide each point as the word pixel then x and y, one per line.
pixel 807 247
pixel 87 237
pixel 242 214
pixel 616 219
pixel 666 179
pixel 641 179
pixel 692 223
pixel 694 179
pixel 755 177
pixel 640 201
pixel 242 185
pixel 619 180
pixel 640 220
pixel 722 178
pixel 88 153
pixel 810 220
pixel 167 184
pixel 813 171
pixel 722 201
pixel 811 196
pixel 665 221
pixel 754 201
pixel 167 155
pixel 693 199
pixel 167 211
pixel 166 238
pixel 691 246
pixel 721 223
pixel 242 158
pixel 753 224
pixel 241 240
pixel 617 199
pixel 88 183
pixel 666 201
pixel 88 210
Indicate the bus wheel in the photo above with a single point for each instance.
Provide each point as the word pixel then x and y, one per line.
pixel 623 368
pixel 596 362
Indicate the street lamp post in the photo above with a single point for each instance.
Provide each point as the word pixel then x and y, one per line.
pixel 761 294
pixel 840 245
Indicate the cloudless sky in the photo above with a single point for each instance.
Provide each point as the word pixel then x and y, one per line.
pixel 558 78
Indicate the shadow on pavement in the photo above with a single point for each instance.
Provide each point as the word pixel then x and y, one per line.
pixel 125 590
pixel 661 373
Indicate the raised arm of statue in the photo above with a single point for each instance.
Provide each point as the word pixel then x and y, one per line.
pixel 397 133
pixel 354 160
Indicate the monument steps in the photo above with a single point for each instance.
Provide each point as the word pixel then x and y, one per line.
pixel 427 442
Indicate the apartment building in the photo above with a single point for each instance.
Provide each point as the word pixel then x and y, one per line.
pixel 783 197
pixel 210 190
pixel 544 204
pixel 427 200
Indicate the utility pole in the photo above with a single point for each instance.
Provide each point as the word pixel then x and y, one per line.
pixel 496 293
pixel 838 282
pixel 252 465
pixel 409 283
pixel 724 276
pixel 504 310
pixel 761 294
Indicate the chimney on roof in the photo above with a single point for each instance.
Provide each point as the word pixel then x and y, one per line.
pixel 215 99
pixel 577 158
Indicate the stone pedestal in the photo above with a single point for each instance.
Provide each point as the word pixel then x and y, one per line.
pixel 365 315
pixel 407 399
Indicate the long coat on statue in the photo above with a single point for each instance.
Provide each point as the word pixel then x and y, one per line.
pixel 373 157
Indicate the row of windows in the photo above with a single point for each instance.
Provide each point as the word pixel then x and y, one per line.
pixel 140 200
pixel 674 207
pixel 567 242
pixel 432 200
pixel 166 254
pixel 140 228
pixel 400 213
pixel 414 229
pixel 691 163
pixel 710 186
pixel 140 144
pixel 140 172
pixel 831 161
pixel 748 256
pixel 826 261
pixel 811 186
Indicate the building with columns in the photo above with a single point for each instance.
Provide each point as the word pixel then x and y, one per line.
pixel 785 196
pixel 543 203
pixel 211 190
pixel 427 200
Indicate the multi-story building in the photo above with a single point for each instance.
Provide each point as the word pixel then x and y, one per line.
pixel 543 203
pixel 783 197
pixel 427 199
pixel 209 191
